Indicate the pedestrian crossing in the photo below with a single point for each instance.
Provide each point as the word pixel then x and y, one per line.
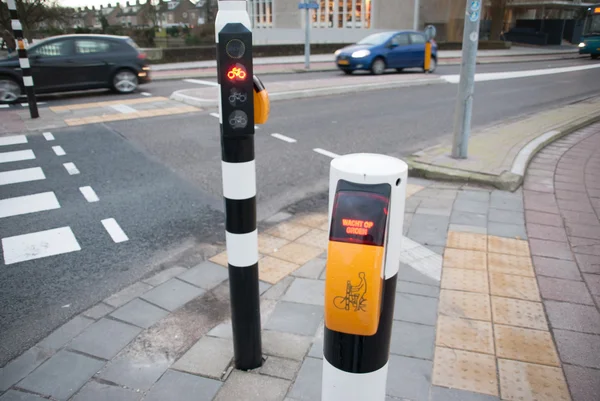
pixel 18 246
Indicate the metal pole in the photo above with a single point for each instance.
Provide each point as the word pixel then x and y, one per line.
pixel 416 16
pixel 466 87
pixel 307 37
pixel 236 114
pixel 23 59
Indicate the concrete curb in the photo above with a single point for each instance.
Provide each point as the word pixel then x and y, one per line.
pixel 508 180
pixel 180 96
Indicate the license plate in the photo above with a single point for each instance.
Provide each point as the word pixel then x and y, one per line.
pixel 343 62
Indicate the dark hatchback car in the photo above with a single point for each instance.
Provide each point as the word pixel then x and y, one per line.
pixel 77 62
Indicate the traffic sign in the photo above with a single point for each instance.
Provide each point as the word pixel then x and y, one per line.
pixel 474 16
pixel 309 6
pixel 475 5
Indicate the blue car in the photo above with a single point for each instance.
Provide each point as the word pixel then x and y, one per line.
pixel 381 51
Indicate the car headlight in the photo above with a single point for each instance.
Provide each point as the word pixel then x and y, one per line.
pixel 360 53
pixel 337 52
pixel 582 44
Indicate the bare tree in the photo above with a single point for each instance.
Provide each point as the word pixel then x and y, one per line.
pixel 34 12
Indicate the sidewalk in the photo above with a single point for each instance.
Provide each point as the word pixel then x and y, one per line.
pixel 497 298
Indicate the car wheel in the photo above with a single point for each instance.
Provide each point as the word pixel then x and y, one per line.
pixel 399 69
pixel 378 66
pixel 432 66
pixel 594 56
pixel 348 72
pixel 10 91
pixel 125 81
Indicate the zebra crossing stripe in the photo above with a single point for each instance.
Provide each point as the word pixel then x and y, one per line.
pixel 41 244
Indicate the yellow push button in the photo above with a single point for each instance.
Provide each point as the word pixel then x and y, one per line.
pixel 262 104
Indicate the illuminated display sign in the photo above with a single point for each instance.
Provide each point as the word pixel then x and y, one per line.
pixel 597 10
pixel 237 72
pixel 357 227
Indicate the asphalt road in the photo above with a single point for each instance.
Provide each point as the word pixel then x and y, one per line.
pixel 160 179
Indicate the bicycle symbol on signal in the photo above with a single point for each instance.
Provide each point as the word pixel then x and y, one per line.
pixel 236 72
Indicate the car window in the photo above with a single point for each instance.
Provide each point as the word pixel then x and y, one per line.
pixel 400 39
pixel 417 39
pixel 87 46
pixel 54 49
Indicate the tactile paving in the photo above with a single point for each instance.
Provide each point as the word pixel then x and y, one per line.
pixel 465 370
pixel 314 220
pixel 220 259
pixel 316 238
pixel 465 334
pixel 468 241
pixel 297 253
pixel 510 264
pixel 289 231
pixel 469 305
pixel 267 244
pixel 521 381
pixel 412 189
pixel 272 270
pixel 464 259
pixel 465 280
pixel 511 286
pixel 525 345
pixel 516 312
pixel 508 246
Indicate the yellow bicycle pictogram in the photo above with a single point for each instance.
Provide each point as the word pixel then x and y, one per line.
pixel 355 296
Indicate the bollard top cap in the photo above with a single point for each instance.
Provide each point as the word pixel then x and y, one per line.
pixel 369 164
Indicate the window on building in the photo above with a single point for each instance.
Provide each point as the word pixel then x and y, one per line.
pixel 91 46
pixel 343 14
pixel 261 13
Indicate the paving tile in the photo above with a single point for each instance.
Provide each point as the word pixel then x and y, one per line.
pixel 508 246
pixel 136 370
pixel 506 200
pixel 581 205
pixel 173 294
pixel 417 289
pixel 465 334
pixel 525 345
pixel 412 378
pixel 20 367
pixel 546 219
pixel 584 218
pixel 280 367
pixel 517 231
pixel 510 286
pixel 209 357
pixel 564 290
pixel 546 232
pixel 272 270
pixel 574 317
pixel 220 259
pixel 298 254
pixel 268 244
pixel 452 394
pixel 307 386
pixel 465 280
pixel 105 338
pixel 315 238
pixel 207 275
pixel 408 273
pixel 556 268
pixel 295 318
pixel 139 313
pixel 183 387
pixel 526 381
pixel 510 264
pixel 435 212
pixel 506 216
pixel 467 241
pixel 428 229
pixel 515 312
pixel 306 291
pixel 464 259
pixel 289 231
pixel 285 345
pixel 314 220
pixel 476 196
pixel 467 229
pixel 252 387
pixel 593 282
pixel 62 375
pixel 414 340
pixel 583 382
pixel 584 231
pixel 126 295
pixel 165 275
pixel 468 305
pixel 468 219
pixel 465 370
pixel 585 246
pixel 65 333
pixel 471 206
pixel 13 395
pixel 415 309
pixel 312 269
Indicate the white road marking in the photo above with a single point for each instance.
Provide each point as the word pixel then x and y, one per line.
pixel 494 76
pixel 4 106
pixel 18 155
pixel 71 168
pixel 201 82
pixel 114 230
pixel 28 204
pixel 215 115
pixel 38 245
pixel 326 153
pixel 59 150
pixel 48 136
pixel 24 175
pixel 123 108
pixel 13 140
pixel 27 104
pixel 89 194
pixel 146 94
pixel 284 138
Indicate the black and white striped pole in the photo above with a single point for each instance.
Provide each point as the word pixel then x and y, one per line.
pixel 366 214
pixel 17 29
pixel 236 93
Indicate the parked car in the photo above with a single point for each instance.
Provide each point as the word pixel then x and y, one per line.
pixel 77 62
pixel 381 51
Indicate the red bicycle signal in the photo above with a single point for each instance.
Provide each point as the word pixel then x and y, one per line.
pixel 236 73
